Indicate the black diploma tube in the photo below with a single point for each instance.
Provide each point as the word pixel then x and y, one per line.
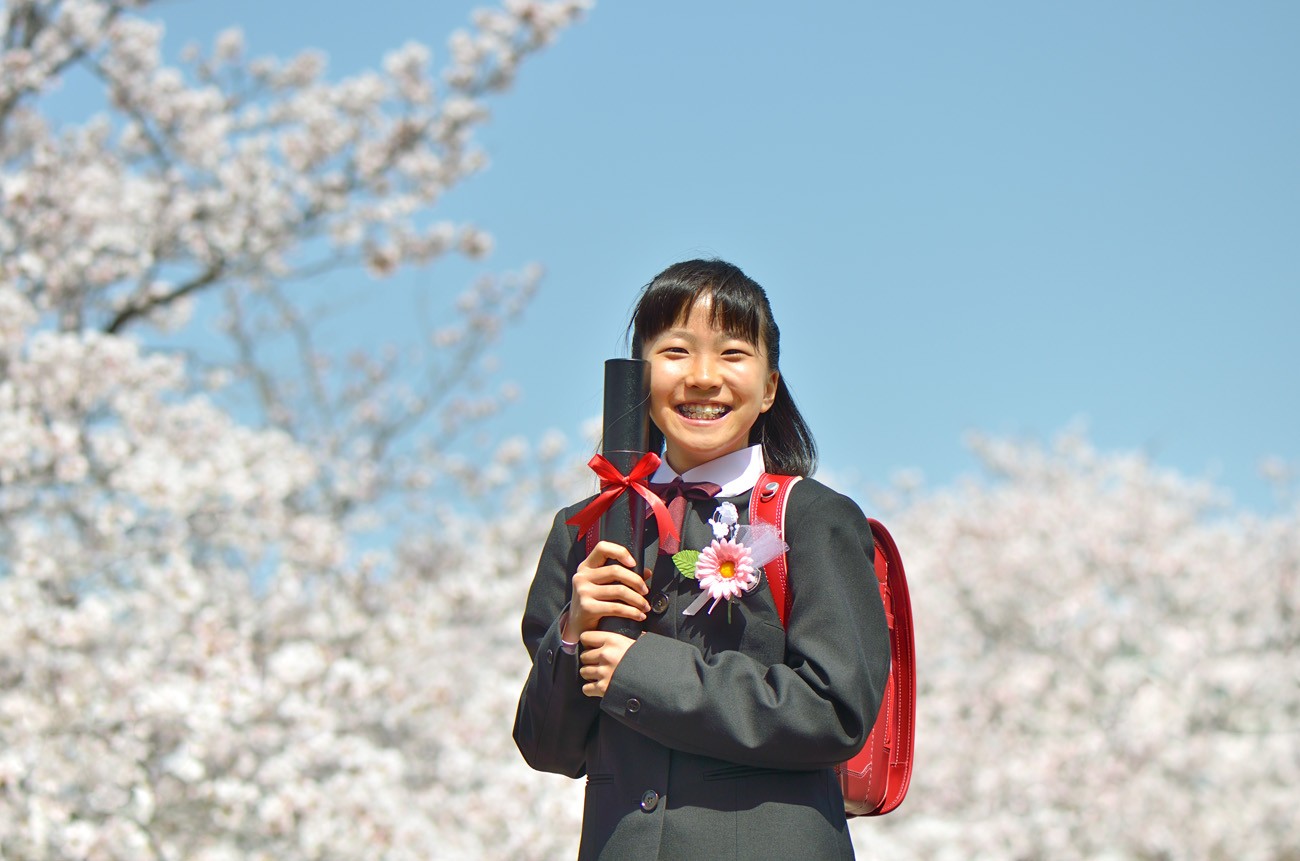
pixel 625 440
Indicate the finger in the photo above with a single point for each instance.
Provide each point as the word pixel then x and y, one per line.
pixel 587 612
pixel 589 598
pixel 594 640
pixel 608 551
pixel 634 580
pixel 591 648
pixel 599 609
pixel 608 575
pixel 616 593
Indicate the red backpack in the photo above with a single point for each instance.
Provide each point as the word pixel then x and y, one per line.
pixel 875 780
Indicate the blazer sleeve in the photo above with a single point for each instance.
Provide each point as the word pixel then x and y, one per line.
pixel 813 710
pixel 554 718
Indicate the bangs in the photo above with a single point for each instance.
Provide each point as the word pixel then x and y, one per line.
pixel 669 299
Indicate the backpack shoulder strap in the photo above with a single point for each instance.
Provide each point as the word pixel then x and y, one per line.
pixel 767 505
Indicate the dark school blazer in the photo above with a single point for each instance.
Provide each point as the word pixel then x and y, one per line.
pixel 716 738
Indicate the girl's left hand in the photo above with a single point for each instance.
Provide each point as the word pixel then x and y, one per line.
pixel 600 654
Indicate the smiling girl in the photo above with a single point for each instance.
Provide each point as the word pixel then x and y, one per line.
pixel 714 734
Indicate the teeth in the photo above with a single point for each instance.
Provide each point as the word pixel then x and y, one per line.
pixel 703 411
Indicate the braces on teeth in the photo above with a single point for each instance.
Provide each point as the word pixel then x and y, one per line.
pixel 695 411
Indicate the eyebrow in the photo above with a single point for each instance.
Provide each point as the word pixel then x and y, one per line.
pixel 724 338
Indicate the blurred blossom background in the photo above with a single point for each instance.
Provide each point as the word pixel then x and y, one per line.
pixel 302 315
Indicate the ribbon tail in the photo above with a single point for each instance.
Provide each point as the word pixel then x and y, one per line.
pixel 584 520
pixel 587 517
pixel 612 484
pixel 663 520
pixel 697 604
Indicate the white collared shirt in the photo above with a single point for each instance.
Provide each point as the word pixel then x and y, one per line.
pixel 736 473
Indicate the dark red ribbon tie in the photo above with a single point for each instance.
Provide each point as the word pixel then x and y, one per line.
pixel 614 484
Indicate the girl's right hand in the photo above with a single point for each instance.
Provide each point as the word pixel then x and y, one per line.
pixel 606 585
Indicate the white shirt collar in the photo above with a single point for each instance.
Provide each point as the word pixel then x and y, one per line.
pixel 737 472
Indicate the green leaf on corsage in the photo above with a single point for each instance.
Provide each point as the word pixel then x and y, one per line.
pixel 685 561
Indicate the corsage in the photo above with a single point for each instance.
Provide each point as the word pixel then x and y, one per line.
pixel 733 562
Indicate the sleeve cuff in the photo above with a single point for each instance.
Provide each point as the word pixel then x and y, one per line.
pixel 565 646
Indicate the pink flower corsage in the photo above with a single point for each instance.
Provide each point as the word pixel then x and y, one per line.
pixel 732 563
pixel 725 570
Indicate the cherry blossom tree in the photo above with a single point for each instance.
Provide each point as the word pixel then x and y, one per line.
pixel 1109 665
pixel 249 604
pixel 198 659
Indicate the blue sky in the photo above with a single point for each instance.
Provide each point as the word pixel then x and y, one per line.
pixel 1003 216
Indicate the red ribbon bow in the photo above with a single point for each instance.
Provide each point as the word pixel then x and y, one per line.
pixel 614 484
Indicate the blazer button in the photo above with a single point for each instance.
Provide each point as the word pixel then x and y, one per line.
pixel 650 800
pixel 633 705
pixel 658 602
pixel 550 656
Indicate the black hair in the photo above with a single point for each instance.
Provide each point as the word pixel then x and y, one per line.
pixel 739 307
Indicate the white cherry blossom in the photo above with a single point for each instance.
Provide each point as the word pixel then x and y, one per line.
pixel 237 592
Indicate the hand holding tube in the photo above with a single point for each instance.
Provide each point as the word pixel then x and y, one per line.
pixel 606 585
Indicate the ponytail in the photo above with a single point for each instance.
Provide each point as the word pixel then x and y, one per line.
pixel 788 444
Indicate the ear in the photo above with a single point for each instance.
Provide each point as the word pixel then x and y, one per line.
pixel 769 390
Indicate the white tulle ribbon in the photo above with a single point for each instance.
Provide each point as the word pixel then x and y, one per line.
pixel 763 540
pixel 732 563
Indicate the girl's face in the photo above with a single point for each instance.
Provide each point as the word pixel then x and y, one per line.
pixel 707 388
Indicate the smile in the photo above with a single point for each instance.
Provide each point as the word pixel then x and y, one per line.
pixel 703 411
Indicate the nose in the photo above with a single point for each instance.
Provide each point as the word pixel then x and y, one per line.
pixel 702 373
